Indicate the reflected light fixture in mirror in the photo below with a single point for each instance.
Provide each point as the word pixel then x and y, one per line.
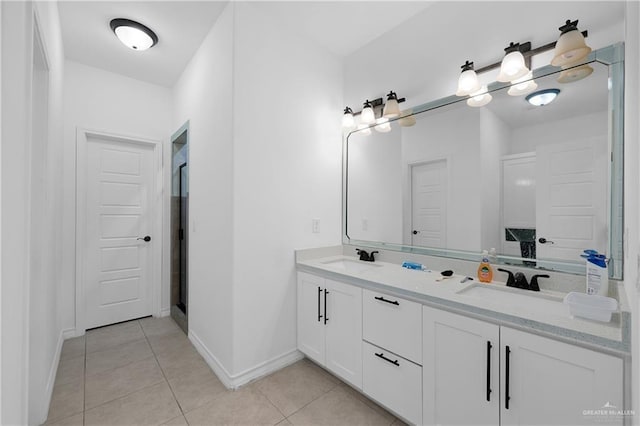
pixel 133 34
pixel 391 108
pixel 382 125
pixel 408 119
pixel 364 129
pixel 542 97
pixel 479 98
pixel 468 82
pixel 367 115
pixel 523 85
pixel 571 46
pixel 513 65
pixel 574 74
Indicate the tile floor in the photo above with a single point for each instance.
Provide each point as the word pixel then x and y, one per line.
pixel 147 372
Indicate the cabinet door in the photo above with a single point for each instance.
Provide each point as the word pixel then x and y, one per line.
pixel 344 331
pixel 311 328
pixel 460 370
pixel 550 382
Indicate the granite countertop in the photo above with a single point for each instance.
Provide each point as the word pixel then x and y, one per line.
pixel 543 312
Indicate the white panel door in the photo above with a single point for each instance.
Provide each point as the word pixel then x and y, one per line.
pixel 553 383
pixel 518 198
pixel 118 269
pixel 343 341
pixel 311 328
pixel 571 199
pixel 429 204
pixel 460 370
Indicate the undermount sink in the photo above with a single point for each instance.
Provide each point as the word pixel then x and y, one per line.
pixel 348 265
pixel 529 300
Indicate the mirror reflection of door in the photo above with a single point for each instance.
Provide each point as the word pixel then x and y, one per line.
pixel 429 204
pixel 571 211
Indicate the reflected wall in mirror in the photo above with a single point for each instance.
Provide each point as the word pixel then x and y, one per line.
pixel 533 182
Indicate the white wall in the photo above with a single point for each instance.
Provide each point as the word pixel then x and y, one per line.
pixel 101 100
pixel 287 168
pixel 204 96
pixel 32 209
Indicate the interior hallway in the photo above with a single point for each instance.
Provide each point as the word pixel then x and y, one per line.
pixel 147 372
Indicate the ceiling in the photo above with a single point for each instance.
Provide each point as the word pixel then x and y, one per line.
pixel 180 25
pixel 341 27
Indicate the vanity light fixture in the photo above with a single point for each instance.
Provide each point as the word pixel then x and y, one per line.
pixel 522 86
pixel 347 119
pixel 133 34
pixel 368 117
pixel 407 119
pixel 542 97
pixel 371 110
pixel 468 81
pixel 513 66
pixel 363 129
pixel 391 108
pixel 479 98
pixel 571 46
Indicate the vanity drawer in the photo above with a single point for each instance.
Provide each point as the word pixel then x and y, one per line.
pixel 392 381
pixel 393 323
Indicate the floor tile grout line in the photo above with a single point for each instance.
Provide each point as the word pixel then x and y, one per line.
pixel 271 402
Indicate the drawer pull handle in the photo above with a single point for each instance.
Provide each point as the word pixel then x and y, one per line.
pixel 382 299
pixel 326 317
pixel 319 314
pixel 507 397
pixel 380 355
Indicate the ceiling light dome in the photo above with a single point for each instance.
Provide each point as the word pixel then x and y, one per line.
pixel 542 97
pixel 133 34
pixel 570 47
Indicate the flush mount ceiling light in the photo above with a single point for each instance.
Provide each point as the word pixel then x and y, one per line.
pixel 391 108
pixel 571 46
pixel 479 98
pixel 133 34
pixel 542 97
pixel 513 66
pixel 523 85
pixel 468 81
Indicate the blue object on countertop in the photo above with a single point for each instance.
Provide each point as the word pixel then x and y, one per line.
pixel 413 265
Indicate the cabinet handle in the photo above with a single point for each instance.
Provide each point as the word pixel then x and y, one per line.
pixel 506 379
pixel 326 318
pixel 488 370
pixel 380 355
pixel 382 299
pixel 319 314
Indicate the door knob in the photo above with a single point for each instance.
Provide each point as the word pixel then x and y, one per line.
pixel 415 232
pixel 145 239
pixel 543 240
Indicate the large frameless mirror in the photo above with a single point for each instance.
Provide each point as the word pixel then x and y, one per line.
pixel 540 184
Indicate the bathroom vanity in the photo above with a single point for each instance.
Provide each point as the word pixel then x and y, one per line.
pixel 438 351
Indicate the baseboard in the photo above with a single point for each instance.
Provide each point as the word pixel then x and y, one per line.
pixel 165 313
pixel 70 333
pixel 234 381
pixel 53 370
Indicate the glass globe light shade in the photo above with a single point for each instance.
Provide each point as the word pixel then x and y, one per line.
pixel 479 98
pixel 467 83
pixel 367 116
pixel 523 85
pixel 574 74
pixel 383 125
pixel 570 48
pixel 512 67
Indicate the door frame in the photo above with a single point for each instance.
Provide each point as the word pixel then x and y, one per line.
pixel 156 276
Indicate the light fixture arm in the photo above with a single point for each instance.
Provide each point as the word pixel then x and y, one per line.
pixel 527 52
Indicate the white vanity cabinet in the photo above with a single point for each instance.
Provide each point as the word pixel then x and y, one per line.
pixel 392 353
pixel 330 325
pixel 531 379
